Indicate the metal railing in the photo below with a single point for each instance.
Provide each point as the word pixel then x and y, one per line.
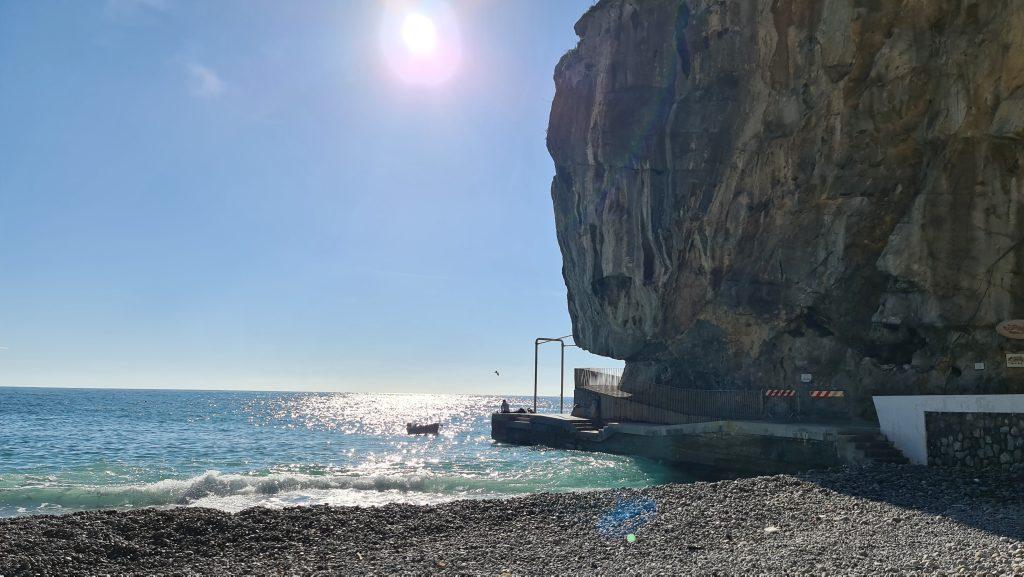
pixel 799 402
pixel 723 403
pixel 605 381
pixel 561 373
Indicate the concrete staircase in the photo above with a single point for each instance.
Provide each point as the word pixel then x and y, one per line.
pixel 588 429
pixel 873 447
pixel 586 425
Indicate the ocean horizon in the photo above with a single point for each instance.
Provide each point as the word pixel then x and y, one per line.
pixel 67 450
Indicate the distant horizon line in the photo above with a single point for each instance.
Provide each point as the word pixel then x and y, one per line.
pixel 178 390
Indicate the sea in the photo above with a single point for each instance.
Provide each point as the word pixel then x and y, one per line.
pixel 66 450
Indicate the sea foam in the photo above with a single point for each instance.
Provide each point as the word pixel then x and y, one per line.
pixel 208 489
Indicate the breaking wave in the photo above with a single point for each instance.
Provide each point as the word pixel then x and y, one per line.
pixel 226 491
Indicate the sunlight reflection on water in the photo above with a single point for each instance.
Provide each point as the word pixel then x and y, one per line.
pixel 234 450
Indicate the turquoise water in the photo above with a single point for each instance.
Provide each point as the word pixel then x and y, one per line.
pixel 64 450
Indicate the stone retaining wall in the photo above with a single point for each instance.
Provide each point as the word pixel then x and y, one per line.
pixel 975 440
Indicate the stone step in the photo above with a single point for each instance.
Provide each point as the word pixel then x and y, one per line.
pixel 867 438
pixel 587 427
pixel 875 447
pixel 883 452
pixel 896 460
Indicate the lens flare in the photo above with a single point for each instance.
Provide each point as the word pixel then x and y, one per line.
pixel 420 41
pixel 627 517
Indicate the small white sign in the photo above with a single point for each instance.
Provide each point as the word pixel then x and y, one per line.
pixel 979 366
pixel 805 377
pixel 1015 360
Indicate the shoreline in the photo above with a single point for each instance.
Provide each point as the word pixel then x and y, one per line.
pixel 878 519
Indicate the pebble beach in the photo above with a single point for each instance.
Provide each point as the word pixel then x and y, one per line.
pixel 854 521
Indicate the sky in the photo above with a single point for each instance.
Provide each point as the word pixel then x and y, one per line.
pixel 320 195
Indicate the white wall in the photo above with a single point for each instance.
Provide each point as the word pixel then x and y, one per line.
pixel 901 418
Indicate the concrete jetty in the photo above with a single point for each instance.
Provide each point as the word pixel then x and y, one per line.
pixel 609 420
pixel 726 447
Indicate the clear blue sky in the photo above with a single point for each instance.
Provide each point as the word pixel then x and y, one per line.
pixel 263 194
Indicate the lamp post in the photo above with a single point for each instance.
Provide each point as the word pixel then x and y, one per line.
pixel 561 377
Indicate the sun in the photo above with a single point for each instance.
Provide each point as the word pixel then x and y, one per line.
pixel 420 40
pixel 419 34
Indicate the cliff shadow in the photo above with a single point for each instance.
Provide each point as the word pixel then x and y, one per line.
pixel 992 501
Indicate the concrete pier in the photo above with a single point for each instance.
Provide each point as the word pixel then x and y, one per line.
pixel 725 432
pixel 725 447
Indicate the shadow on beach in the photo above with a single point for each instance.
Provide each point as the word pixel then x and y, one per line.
pixel 991 501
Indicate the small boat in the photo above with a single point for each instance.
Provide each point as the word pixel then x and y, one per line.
pixel 430 429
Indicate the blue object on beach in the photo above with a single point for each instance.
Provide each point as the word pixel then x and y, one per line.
pixel 627 517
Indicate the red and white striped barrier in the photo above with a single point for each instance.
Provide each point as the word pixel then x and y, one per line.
pixel 813 394
pixel 827 394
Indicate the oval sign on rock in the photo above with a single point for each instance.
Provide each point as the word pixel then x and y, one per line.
pixel 1011 329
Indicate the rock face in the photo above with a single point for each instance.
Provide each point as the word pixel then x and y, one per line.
pixel 750 190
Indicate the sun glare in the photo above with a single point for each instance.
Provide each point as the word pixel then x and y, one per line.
pixel 420 40
pixel 419 34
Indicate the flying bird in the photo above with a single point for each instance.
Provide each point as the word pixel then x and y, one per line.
pixel 497 373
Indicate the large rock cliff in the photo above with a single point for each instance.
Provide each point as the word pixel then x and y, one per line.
pixel 749 190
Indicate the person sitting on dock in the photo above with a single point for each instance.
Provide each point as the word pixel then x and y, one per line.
pixel 504 406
